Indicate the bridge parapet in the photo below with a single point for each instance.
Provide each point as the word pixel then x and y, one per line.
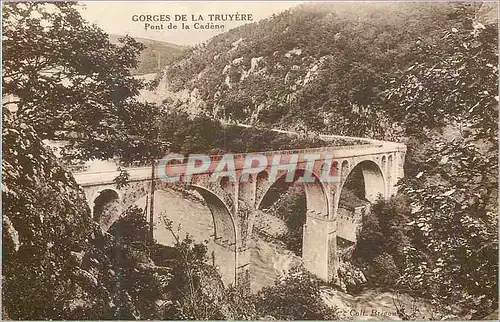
pixel 338 152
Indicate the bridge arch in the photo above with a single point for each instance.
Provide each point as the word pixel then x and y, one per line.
pixel 224 224
pixel 373 177
pixel 316 196
pixel 104 203
pixel 225 233
pixel 316 202
pixel 226 238
pixel 316 248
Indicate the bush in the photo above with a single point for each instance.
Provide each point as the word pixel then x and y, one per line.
pixel 382 239
pixel 196 289
pixel 296 297
pixel 384 270
pixel 136 284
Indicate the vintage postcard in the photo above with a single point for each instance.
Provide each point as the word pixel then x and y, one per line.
pixel 230 160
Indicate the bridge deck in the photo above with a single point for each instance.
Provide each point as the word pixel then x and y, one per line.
pixel 139 173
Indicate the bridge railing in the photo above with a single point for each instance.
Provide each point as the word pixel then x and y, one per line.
pixel 367 143
pixel 218 157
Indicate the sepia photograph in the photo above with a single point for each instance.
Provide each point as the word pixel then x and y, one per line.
pixel 250 160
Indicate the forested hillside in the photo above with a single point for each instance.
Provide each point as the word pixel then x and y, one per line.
pixel 319 66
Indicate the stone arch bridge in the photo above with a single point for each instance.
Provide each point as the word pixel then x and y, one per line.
pixel 234 204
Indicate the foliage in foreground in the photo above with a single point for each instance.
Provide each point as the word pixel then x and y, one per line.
pixel 45 224
pixel 450 98
pixel 191 289
pixel 447 102
pixel 403 249
pixel 196 289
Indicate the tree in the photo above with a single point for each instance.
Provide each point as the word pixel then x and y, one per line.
pixel 448 102
pixel 137 284
pixel 46 223
pixel 454 251
pixel 64 78
pixel 384 229
pixel 382 240
pixel 289 204
pixel 453 81
pixel 196 288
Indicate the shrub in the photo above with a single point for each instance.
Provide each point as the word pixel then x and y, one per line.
pixel 296 297
pixel 382 239
pixel 384 270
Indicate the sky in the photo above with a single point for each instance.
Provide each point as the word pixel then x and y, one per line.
pixel 116 17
